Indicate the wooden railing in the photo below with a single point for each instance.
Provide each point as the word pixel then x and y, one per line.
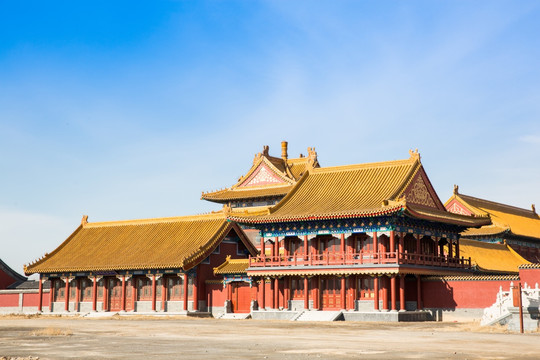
pixel 358 258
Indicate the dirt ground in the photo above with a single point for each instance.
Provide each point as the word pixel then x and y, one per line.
pixel 195 338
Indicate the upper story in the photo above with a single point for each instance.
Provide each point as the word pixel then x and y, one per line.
pixel 268 180
pixel 375 213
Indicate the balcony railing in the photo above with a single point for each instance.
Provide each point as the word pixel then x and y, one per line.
pixel 359 258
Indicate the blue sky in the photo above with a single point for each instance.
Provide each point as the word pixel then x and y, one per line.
pixel 130 109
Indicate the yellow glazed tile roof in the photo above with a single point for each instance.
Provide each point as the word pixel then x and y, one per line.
pixel 504 217
pixel 491 257
pixel 232 266
pixel 178 242
pixel 288 170
pixel 248 193
pixel 355 190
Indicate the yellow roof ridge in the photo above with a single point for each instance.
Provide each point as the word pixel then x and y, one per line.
pixel 506 206
pixel 351 167
pixel 205 216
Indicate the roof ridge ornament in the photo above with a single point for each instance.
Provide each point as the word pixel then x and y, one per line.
pixel 414 154
pixel 533 208
pixel 84 220
pixel 312 157
pixel 456 189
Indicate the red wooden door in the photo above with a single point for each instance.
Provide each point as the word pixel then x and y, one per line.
pixel 115 294
pixel 241 297
pixel 331 294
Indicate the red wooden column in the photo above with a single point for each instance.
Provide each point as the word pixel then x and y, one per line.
pixel 392 243
pixel 133 293
pixel 94 293
pixel 393 293
pixel 40 291
pixel 276 293
pixel 105 294
pixel 441 250
pixel 305 247
pixel 77 295
pixel 450 252
pixel 276 245
pixel 66 307
pixel 163 293
pixel 376 293
pixel 286 245
pixel 186 291
pixel 402 293
pixel 51 295
pixel 154 292
pixel 306 292
pixel 375 245
pixel 384 284
pixel 196 290
pixel 457 249
pixel 263 293
pixel 419 293
pixel 354 288
pixel 286 291
pixel 263 248
pixel 316 284
pixel 123 304
pixel 342 293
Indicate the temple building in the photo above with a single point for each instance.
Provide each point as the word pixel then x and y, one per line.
pixel 356 237
pixel 147 265
pixel 519 228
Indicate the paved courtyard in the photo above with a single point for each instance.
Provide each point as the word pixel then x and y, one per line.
pixel 191 338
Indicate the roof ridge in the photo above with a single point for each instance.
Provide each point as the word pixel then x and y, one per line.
pixel 204 216
pixel 363 165
pixel 530 212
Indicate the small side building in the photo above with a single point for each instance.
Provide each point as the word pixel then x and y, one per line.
pixel 519 228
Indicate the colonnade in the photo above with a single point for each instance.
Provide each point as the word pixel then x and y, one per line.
pixel 387 289
pixel 106 295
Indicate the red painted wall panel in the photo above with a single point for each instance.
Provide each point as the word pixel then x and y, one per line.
pixel 30 299
pixel 216 295
pixel 530 276
pixel 461 294
pixel 9 300
pixel 45 299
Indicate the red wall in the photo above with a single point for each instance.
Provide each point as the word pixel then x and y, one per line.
pixel 530 276
pixel 9 300
pixel 461 294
